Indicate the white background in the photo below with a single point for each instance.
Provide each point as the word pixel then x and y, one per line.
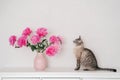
pixel 97 21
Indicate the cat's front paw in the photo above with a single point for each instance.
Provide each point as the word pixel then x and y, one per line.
pixel 77 68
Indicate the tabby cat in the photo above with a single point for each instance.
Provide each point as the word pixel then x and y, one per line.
pixel 85 58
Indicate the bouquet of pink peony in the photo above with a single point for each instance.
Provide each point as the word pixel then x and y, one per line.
pixel 37 41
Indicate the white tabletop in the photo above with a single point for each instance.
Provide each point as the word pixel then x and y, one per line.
pixel 55 72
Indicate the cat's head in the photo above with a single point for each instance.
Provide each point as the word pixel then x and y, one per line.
pixel 78 41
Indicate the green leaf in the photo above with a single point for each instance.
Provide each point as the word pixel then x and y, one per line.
pixel 33 47
pixel 44 40
pixel 28 44
pixel 42 46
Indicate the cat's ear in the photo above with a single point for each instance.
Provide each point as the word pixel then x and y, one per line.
pixel 79 37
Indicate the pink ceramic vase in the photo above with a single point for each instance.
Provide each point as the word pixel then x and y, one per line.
pixel 40 62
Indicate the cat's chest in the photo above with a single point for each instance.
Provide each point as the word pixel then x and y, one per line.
pixel 78 49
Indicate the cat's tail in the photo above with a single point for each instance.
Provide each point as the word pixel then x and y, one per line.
pixel 107 69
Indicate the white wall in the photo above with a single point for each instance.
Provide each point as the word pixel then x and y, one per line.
pixel 97 21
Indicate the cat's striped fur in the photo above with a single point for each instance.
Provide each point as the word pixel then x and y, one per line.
pixel 85 57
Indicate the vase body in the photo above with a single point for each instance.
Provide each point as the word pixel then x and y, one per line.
pixel 40 62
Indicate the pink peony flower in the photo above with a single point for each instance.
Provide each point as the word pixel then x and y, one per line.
pixel 52 50
pixel 42 32
pixel 12 40
pixel 54 39
pixel 27 31
pixel 35 39
pixel 31 39
pixel 22 41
